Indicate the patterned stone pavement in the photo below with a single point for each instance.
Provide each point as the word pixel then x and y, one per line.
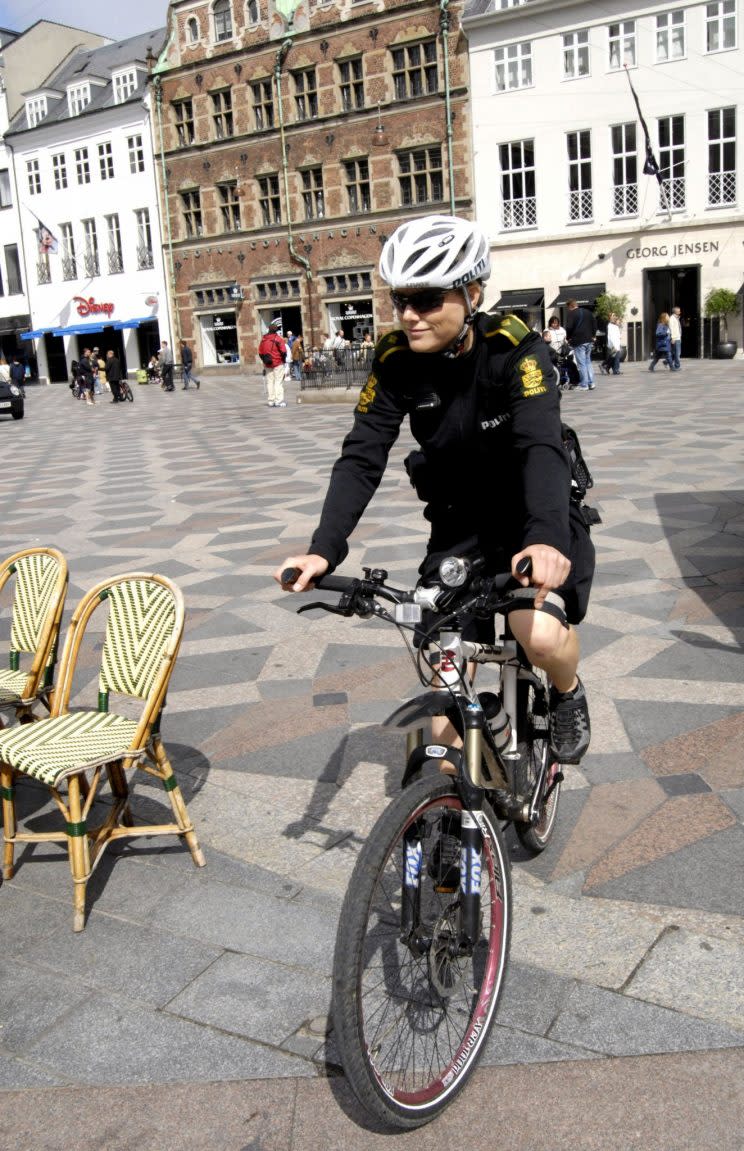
pixel 629 932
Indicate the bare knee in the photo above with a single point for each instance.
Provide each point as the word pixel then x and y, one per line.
pixel 543 638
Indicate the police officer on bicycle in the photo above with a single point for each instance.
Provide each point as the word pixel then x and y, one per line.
pixel 491 467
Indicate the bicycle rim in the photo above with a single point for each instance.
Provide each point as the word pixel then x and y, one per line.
pixel 411 1027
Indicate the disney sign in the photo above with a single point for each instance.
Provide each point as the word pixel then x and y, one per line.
pixel 89 307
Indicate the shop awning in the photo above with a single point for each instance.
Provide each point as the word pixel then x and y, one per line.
pixel 585 294
pixel 34 335
pixel 78 330
pixel 519 298
pixel 119 324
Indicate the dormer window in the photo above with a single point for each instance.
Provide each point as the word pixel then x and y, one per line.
pixel 193 29
pixel 36 110
pixel 124 84
pixel 78 98
pixel 222 20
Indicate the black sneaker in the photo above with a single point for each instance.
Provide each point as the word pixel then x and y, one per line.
pixel 444 861
pixel 570 730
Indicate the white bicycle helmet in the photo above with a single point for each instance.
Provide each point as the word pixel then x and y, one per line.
pixel 435 252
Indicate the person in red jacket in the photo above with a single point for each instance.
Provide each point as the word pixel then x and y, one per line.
pixel 272 352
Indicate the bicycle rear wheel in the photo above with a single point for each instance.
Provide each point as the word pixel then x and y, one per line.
pixel 411 1018
pixel 534 751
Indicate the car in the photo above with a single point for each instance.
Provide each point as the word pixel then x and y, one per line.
pixel 11 400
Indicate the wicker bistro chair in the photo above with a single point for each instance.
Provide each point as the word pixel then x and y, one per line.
pixel 71 751
pixel 40 589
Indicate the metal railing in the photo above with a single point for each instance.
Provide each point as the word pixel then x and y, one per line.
pixel 625 200
pixel 336 368
pixel 580 205
pixel 43 272
pixel 520 213
pixel 721 188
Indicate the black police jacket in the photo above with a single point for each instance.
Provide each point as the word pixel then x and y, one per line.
pixel 491 460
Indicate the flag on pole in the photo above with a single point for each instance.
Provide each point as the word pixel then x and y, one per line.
pixel 651 164
pixel 46 239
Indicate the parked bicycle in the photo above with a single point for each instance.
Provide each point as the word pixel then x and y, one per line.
pixel 125 391
pixel 423 938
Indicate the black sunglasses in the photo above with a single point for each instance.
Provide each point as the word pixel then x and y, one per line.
pixel 427 300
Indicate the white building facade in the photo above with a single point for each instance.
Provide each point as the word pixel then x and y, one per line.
pixel 83 158
pixel 559 152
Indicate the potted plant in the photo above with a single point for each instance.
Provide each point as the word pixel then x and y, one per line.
pixel 720 303
pixel 605 305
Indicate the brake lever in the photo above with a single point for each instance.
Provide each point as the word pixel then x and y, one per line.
pixel 334 609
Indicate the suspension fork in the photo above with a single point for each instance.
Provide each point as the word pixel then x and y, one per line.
pixel 471 836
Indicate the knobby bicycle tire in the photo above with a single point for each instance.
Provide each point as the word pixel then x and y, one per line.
pixel 534 750
pixel 410 1028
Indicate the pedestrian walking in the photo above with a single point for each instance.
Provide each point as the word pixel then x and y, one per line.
pixel 663 348
pixel 166 367
pixel 272 352
pixel 187 360
pixel 675 332
pixel 298 358
pixel 581 328
pixel 611 362
pixel 112 369
pixel 85 369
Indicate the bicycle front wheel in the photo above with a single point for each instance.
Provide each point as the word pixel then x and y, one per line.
pixel 412 1010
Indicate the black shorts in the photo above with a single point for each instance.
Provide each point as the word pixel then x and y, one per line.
pixel 447 540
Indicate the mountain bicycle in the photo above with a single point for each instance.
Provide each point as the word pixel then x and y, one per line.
pixel 424 932
pixel 125 391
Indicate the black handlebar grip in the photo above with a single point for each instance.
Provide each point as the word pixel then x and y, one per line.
pixel 290 575
pixel 524 567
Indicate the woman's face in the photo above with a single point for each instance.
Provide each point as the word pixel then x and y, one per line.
pixel 553 322
pixel 432 329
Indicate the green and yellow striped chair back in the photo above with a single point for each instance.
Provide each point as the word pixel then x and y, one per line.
pixel 140 626
pixel 36 583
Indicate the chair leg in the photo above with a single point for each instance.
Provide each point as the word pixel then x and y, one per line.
pixel 178 804
pixel 9 819
pixel 120 791
pixel 78 851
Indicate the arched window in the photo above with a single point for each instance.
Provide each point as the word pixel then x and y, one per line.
pixel 252 12
pixel 193 30
pixel 222 20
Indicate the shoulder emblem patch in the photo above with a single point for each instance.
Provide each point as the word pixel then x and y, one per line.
pixel 367 394
pixel 533 381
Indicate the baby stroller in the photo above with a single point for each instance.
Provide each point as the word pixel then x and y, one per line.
pixel 568 371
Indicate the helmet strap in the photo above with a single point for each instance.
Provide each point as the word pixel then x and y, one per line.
pixel 456 349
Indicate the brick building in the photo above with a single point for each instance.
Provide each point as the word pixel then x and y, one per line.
pixel 291 139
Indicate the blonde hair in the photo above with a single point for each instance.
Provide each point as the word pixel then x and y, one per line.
pixel 664 318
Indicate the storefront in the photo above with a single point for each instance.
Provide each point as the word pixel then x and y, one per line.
pixel 352 318
pixel 528 304
pixel 219 338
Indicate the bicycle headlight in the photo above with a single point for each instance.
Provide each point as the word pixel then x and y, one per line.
pixel 454 572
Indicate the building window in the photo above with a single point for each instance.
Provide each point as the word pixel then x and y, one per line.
pixel 268 199
pixel 420 176
pixel 672 158
pixel 624 170
pixel 345 282
pixel 192 214
pixel 513 66
pixel 351 84
pixel 622 44
pixel 82 167
pixel 252 13
pixel 263 104
pixel 145 258
pixel 13 269
pixel 115 258
pixel 575 54
pixel 90 256
pixel 124 84
pixel 357 186
pixel 78 98
pixel 721 157
pixel 59 169
pixel 312 193
pixel 518 184
pixel 183 111
pixel 222 20
pixel 579 148
pixel 6 199
pixel 278 290
pixel 229 206
pixel 192 28
pixel 106 161
pixel 415 69
pixel 36 110
pixel 34 177
pixel 306 94
pixel 222 114
pixel 670 36
pixel 43 270
pixel 69 263
pixel 720 26
pixel 136 154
